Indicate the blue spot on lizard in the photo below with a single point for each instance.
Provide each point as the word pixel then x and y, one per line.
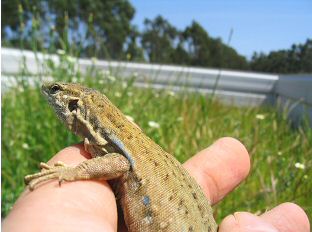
pixel 146 200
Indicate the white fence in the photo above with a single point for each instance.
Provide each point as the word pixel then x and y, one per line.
pixel 234 87
pixel 294 92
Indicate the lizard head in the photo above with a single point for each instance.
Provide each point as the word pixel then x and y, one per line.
pixel 65 99
pixel 71 101
pixel 84 111
pixel 75 104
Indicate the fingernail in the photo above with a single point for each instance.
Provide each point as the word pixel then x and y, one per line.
pixel 243 222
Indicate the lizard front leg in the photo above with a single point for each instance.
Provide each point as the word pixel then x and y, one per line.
pixel 110 166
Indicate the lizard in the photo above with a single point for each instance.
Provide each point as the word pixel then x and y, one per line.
pixel 151 187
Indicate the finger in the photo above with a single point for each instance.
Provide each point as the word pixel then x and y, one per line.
pixel 287 217
pixel 220 168
pixel 75 206
pixel 245 222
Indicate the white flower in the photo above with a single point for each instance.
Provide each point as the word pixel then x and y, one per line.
pixel 299 166
pixel 117 94
pixel 74 79
pixel 153 124
pixel 111 78
pixel 171 93
pixel 104 72
pixel 130 118
pixel 260 116
pixel 180 119
pixel 25 146
pixel 124 84
pixel 71 59
pixel 93 60
pixel 21 89
pixel 305 177
pixel 279 153
pixel 60 52
pixel 101 81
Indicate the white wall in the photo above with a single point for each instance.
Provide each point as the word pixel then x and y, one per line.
pixel 233 87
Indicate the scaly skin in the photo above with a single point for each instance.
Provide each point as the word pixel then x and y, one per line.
pixel 153 189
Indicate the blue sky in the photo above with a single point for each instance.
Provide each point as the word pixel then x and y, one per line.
pixel 258 25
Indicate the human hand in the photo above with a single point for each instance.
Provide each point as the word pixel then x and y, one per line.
pixel 91 206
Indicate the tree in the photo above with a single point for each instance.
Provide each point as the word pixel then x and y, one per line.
pixel 96 27
pixel 197 48
pixel 88 28
pixel 196 42
pixel 297 59
pixel 158 40
pixel 134 52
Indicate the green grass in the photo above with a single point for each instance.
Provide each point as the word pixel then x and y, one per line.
pixel 188 123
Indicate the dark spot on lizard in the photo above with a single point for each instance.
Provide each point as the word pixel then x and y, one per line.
pixel 110 116
pixel 170 198
pixel 191 229
pixel 155 163
pixel 201 210
pixel 190 186
pixel 166 177
pixel 181 203
pixel 194 195
pixel 120 126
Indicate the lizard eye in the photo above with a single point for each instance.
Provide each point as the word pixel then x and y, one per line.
pixel 54 89
pixel 73 105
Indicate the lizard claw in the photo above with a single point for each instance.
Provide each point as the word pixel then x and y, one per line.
pixel 58 171
pixel 60 181
pixel 60 163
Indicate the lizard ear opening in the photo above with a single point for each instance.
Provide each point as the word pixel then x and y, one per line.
pixel 73 105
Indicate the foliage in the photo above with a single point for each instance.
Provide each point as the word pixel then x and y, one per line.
pixel 95 28
pixel 165 44
pixel 182 123
pixel 158 40
pixel 205 51
pixel 103 29
pixel 297 59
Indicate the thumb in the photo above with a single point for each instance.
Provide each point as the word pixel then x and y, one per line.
pixel 244 222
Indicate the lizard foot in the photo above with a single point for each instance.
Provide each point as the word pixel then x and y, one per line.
pixel 58 171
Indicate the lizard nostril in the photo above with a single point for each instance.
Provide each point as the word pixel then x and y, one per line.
pixel 73 105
